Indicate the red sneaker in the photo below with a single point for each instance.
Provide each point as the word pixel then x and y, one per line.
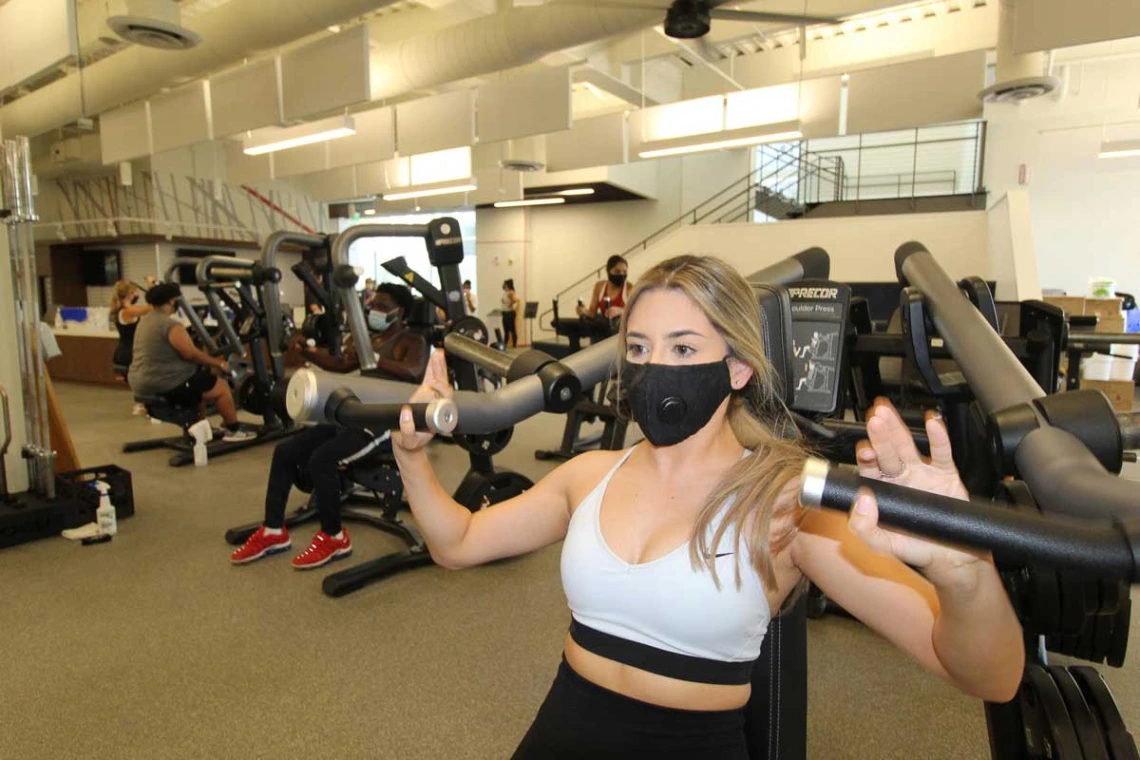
pixel 261 544
pixel 323 550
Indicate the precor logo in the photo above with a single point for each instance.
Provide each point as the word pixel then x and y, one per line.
pixel 822 293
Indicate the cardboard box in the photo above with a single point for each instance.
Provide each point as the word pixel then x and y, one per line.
pixel 1070 304
pixel 1105 307
pixel 1110 323
pixel 1119 392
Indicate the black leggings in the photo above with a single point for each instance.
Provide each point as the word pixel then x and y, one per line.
pixel 509 330
pixel 314 454
pixel 579 719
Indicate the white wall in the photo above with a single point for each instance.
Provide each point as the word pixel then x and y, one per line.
pixel 1084 210
pixel 862 248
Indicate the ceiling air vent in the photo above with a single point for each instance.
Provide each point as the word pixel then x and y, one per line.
pixel 153 23
pixel 1017 90
pixel 521 165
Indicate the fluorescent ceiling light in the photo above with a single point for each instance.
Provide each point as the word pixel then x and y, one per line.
pixel 577 191
pixel 531 202
pixel 438 188
pixel 369 212
pixel 1119 149
pixel 729 138
pixel 282 138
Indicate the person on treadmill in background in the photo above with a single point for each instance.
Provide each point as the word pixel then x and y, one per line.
pixel 125 313
pixel 318 453
pixel 167 363
pixel 610 295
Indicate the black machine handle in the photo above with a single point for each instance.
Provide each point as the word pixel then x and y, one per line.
pixel 1102 548
pixel 439 416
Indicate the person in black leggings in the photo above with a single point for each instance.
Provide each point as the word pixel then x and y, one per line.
pixel 510 313
pixel 317 454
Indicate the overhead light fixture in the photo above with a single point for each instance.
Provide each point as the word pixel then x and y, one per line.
pixel 370 212
pixel 1119 149
pixel 594 90
pixel 577 191
pixel 729 138
pixel 273 139
pixel 426 191
pixel 530 202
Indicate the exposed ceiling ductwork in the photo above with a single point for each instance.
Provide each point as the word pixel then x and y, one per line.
pixel 237 29
pixel 513 37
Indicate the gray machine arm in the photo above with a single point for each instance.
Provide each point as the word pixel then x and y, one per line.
pixel 307 397
pixel 214 271
pixel 271 291
pixel 188 310
pixel 345 278
pixel 1062 473
pixel 809 264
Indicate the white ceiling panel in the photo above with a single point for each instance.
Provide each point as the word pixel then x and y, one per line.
pixel 496 185
pixel 125 133
pixel 528 104
pixel 325 75
pixel 1051 24
pixel 304 160
pixel 245 98
pixel 35 36
pixel 437 123
pixel 332 185
pixel 600 141
pixel 180 117
pixel 246 170
pixel 932 91
pixel 375 139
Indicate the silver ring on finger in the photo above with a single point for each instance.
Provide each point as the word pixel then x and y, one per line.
pixel 894 475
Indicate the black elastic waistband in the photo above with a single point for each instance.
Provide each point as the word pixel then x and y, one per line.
pixel 683 667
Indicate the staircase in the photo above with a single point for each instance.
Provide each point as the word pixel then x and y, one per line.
pixel 784 174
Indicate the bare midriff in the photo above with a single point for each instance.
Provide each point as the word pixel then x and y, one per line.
pixel 653 688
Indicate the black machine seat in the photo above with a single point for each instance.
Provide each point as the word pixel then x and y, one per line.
pixel 776 323
pixel 162 408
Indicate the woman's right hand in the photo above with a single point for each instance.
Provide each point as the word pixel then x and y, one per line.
pixel 223 365
pixel 434 386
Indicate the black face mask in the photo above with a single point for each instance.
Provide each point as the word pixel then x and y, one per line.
pixel 617 280
pixel 671 403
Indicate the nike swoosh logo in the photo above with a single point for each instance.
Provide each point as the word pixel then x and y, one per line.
pixel 724 554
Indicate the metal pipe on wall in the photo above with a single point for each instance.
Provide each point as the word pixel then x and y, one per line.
pixel 17 197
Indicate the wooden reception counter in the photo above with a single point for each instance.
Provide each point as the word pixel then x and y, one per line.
pixel 85 358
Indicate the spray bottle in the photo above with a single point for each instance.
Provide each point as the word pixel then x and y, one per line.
pixel 105 514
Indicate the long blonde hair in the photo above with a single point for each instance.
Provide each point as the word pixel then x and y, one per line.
pixel 119 295
pixel 757 415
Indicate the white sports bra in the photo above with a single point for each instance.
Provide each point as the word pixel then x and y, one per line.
pixel 662 616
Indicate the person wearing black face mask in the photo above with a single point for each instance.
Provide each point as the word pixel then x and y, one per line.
pixel 611 294
pixel 679 552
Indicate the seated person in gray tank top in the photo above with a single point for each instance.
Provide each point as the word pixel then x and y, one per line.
pixel 167 363
pixel 318 453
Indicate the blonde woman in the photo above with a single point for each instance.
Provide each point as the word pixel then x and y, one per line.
pixel 679 551
pixel 125 313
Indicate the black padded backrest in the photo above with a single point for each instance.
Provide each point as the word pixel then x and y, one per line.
pixel 776 324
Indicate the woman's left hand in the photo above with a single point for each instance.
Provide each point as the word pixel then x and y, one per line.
pixel 890 455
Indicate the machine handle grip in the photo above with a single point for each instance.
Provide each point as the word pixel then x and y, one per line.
pixel 1100 548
